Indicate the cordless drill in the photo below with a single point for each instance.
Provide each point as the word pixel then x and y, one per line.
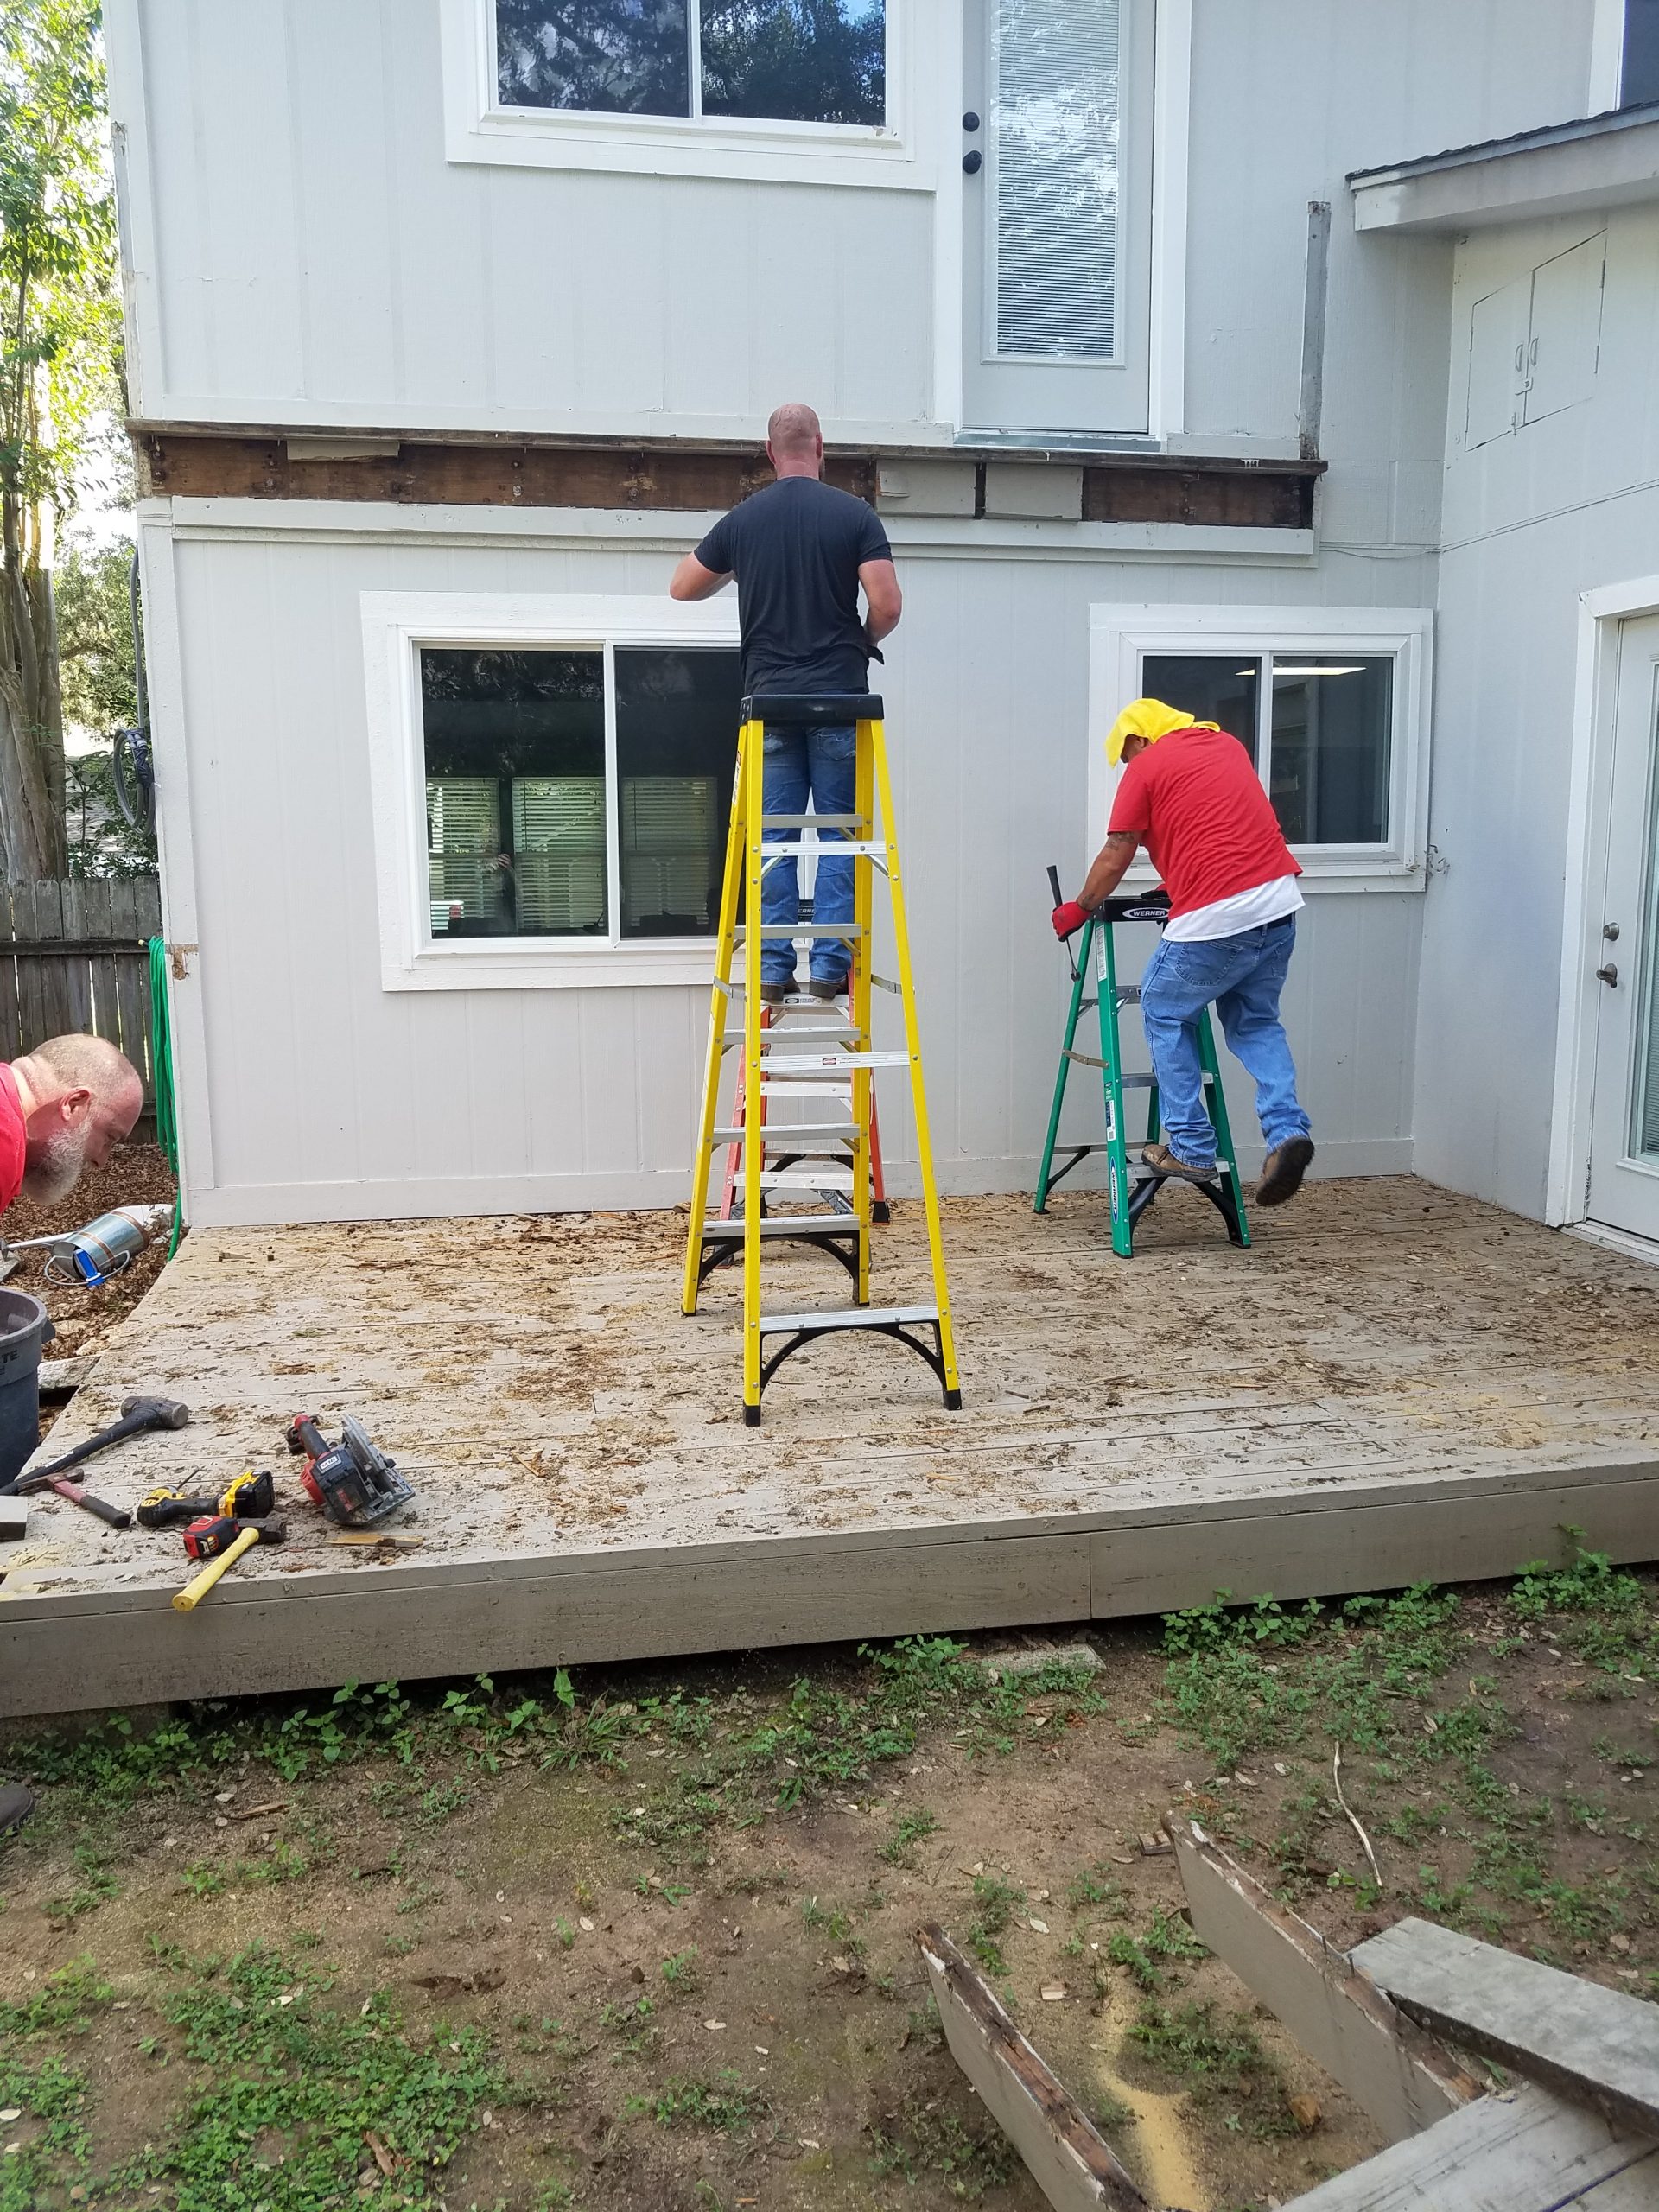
pixel 250 1497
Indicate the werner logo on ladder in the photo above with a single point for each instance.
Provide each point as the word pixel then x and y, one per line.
pixel 830 1062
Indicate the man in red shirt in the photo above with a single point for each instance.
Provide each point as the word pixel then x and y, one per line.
pixel 63 1108
pixel 1191 795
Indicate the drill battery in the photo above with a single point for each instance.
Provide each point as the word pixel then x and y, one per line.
pixel 353 1481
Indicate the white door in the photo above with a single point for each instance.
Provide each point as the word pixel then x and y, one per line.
pixel 1624 1124
pixel 1057 142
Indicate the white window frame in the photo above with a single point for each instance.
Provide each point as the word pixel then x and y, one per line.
pixel 397 626
pixel 1120 638
pixel 478 128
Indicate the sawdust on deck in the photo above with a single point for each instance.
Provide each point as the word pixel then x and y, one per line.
pixel 535 1379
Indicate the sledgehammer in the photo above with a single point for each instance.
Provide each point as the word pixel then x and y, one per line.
pixel 137 1413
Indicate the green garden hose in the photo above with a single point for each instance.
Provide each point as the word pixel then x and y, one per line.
pixel 161 1052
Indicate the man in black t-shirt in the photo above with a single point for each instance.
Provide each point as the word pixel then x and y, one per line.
pixel 800 549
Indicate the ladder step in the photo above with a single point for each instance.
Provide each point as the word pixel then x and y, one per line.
pixel 869 848
pixel 806 1178
pixel 829 1065
pixel 771 1087
pixel 770 1037
pixel 813 822
pixel 851 1316
pixel 785 930
pixel 784 1224
pixel 782 1134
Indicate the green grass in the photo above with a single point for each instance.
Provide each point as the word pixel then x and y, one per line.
pixel 909 1830
pixel 994 1906
pixel 1167 1941
pixel 284 2088
pixel 680 1970
pixel 1216 2056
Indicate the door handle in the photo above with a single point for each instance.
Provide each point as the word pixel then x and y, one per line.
pixel 1608 975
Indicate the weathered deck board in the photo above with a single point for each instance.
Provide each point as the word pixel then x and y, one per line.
pixel 1597 2045
pixel 1392 1379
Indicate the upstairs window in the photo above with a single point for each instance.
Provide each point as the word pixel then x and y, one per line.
pixel 822 61
pixel 1638 76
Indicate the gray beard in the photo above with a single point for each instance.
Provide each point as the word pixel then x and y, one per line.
pixel 51 1177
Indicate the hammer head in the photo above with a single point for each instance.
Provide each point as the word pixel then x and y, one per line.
pixel 158 1412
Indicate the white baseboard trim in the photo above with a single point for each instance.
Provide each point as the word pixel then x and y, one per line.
pixel 260 1205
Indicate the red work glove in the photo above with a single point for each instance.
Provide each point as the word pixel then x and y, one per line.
pixel 1068 918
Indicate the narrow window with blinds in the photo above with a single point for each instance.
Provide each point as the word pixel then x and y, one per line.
pixel 577 792
pixel 1054 199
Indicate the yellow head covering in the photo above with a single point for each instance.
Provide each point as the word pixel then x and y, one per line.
pixel 1147 718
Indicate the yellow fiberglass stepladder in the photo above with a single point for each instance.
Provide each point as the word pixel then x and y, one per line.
pixel 829 1061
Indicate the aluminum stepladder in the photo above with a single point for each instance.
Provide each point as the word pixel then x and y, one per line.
pixel 1132 1189
pixel 830 1061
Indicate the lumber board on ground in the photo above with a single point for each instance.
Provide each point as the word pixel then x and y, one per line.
pixel 1596 2045
pixel 1337 2014
pixel 1525 2151
pixel 14 1520
pixel 309 1631
pixel 1066 2155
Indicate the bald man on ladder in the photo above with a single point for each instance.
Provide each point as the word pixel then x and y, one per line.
pixel 801 551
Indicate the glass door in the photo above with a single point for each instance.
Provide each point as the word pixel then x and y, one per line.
pixel 1625 1125
pixel 1057 143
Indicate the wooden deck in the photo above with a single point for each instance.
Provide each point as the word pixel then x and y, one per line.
pixel 1393 1384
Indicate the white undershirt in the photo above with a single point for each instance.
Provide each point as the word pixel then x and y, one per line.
pixel 1245 910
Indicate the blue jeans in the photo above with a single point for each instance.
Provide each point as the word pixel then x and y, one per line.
pixel 1242 978
pixel 819 763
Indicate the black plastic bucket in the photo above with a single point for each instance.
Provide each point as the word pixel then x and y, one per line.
pixel 23 1329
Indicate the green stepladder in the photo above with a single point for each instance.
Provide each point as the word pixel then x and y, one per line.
pixel 1132 1189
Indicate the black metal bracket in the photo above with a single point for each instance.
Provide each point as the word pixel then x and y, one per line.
pixel 933 1354
pixel 729 1248
pixel 1147 1187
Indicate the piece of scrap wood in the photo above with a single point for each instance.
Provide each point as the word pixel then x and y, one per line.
pixel 258 1811
pixel 1338 2015
pixel 398 1541
pixel 1594 2044
pixel 14 1520
pixel 1527 2151
pixel 1067 2156
pixel 61 1378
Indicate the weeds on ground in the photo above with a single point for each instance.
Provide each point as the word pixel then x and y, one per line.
pixel 994 1903
pixel 734 1758
pixel 727 2104
pixel 1167 1940
pixel 1216 2056
pixel 922 2140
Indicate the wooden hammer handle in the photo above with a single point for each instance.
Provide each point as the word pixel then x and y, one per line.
pixel 196 1589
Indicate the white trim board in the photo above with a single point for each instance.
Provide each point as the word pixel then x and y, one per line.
pixel 429 1197
pixel 396 625
pixel 1120 635
pixel 1589 795
pixel 659 529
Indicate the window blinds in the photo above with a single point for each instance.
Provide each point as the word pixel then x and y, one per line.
pixel 1054 129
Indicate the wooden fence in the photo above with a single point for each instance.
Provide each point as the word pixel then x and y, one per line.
pixel 76 955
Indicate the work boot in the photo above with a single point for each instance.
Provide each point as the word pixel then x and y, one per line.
pixel 17 1803
pixel 821 988
pixel 1162 1162
pixel 773 993
pixel 1282 1170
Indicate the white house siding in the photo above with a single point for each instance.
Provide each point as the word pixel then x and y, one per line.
pixel 300 248
pixel 1530 520
pixel 311 1092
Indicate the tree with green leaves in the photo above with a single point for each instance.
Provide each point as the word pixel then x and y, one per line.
pixel 59 355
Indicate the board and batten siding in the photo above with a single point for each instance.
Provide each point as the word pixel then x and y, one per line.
pixel 310 1092
pixel 1532 519
pixel 301 250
